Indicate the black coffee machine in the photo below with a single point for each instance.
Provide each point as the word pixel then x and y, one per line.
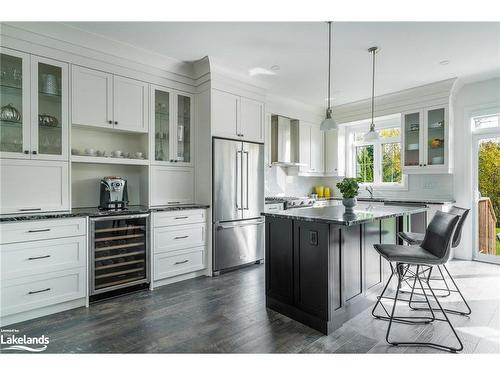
pixel 114 194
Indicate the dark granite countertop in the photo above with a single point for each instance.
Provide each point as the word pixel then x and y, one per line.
pixel 95 212
pixel 400 200
pixel 363 213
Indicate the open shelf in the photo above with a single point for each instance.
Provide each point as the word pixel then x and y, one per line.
pixel 107 160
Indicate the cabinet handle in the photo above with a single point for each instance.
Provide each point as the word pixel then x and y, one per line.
pixel 41 257
pixel 425 165
pixel 26 151
pixel 39 291
pixel 182 217
pixel 182 262
pixel 34 152
pixel 110 122
pixel 175 161
pixel 173 202
pixel 38 230
pixel 30 209
pixel 420 164
pixel 116 122
pixel 180 237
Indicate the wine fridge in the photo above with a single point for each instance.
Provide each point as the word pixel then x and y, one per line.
pixel 119 254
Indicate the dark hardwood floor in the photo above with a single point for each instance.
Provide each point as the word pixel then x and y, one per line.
pixel 227 314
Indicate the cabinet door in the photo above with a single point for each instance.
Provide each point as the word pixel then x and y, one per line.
pixel 171 185
pixel 91 97
pixel 305 147
pixel 412 140
pixel 130 104
pixel 15 104
pixel 160 112
pixel 331 153
pixel 34 186
pixel 436 142
pixel 183 129
pixel 317 154
pixel 224 110
pixel 252 120
pixel 49 109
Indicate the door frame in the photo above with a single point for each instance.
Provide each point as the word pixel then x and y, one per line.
pixel 478 136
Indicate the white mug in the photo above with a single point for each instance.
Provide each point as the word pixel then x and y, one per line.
pixel 90 151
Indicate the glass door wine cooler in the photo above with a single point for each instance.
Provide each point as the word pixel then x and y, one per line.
pixel 119 256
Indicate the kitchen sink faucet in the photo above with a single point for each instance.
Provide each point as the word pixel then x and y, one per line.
pixel 369 189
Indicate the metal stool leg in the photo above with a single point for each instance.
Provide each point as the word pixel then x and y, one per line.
pixel 425 344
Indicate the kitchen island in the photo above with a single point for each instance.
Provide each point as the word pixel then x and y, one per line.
pixel 321 267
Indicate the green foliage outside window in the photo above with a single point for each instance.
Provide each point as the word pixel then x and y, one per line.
pixel 489 173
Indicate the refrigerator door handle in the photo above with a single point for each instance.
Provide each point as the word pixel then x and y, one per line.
pixel 238 180
pixel 245 207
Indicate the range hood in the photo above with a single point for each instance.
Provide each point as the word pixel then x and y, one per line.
pixel 284 142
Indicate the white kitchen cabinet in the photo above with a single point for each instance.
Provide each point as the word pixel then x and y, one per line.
pixel 236 117
pixel 173 135
pixel 33 186
pixel 251 124
pixel 425 140
pixel 311 149
pixel 331 151
pixel 36 90
pixel 105 100
pixel 171 185
pixel 91 97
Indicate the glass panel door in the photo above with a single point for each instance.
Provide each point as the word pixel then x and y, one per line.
pixel 412 132
pixel 487 205
pixel 12 104
pixel 435 136
pixel 183 131
pixel 162 125
pixel 50 109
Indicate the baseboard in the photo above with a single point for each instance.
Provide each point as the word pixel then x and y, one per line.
pixel 42 311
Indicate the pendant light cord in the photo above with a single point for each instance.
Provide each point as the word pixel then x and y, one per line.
pixel 373 83
pixel 329 60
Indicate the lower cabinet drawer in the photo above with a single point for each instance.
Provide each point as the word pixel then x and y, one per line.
pixel 36 257
pixel 173 264
pixel 181 217
pixel 42 229
pixel 178 237
pixel 33 292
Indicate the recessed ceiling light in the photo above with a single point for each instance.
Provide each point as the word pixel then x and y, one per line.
pixel 275 67
pixel 444 62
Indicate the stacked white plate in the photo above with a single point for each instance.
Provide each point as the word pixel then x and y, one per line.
pixel 437 160
pixel 413 146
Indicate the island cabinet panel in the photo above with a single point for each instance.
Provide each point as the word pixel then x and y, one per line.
pixel 310 248
pixel 372 260
pixel 279 259
pixel 388 235
pixel 351 264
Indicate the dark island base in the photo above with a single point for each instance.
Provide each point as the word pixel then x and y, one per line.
pixel 324 274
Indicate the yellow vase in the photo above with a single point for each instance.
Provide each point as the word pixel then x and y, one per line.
pixel 326 192
pixel 320 190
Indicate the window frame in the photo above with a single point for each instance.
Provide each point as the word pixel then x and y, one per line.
pixel 363 126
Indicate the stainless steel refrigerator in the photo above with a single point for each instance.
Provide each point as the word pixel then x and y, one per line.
pixel 238 200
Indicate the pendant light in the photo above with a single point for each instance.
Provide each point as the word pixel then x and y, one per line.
pixel 372 135
pixel 329 123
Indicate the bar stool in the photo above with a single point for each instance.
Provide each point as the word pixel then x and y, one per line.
pixel 432 252
pixel 417 238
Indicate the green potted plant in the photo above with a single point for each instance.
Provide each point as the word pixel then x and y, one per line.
pixel 349 189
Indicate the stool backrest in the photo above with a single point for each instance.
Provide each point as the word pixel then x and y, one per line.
pixel 439 233
pixel 462 212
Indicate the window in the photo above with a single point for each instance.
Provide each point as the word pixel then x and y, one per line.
pixel 486 122
pixel 377 163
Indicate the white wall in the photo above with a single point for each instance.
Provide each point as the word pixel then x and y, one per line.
pixel 470 99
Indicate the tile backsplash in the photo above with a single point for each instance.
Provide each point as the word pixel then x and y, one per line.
pixel 278 182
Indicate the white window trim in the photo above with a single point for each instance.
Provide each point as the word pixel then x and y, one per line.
pixel 351 162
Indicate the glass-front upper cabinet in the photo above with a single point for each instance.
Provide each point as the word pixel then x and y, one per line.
pixel 412 139
pixel 162 125
pixel 436 136
pixel 173 134
pixel 425 140
pixel 49 131
pixel 34 107
pixel 14 104
pixel 183 129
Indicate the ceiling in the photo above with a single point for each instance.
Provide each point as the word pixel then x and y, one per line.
pixel 410 52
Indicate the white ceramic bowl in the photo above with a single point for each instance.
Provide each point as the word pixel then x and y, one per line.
pixel 116 153
pixel 90 152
